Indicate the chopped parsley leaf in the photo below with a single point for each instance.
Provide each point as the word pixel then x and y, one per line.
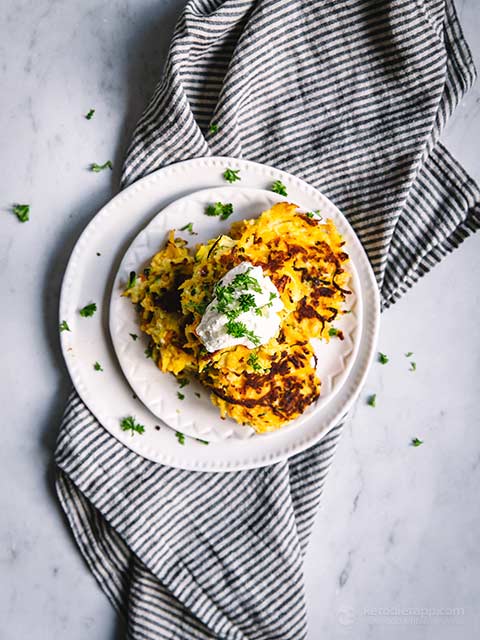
pixel 89 115
pixel 22 212
pixel 415 442
pixel 409 354
pixel 197 394
pixel 97 366
pixel 201 441
pixel 149 352
pixel 132 279
pixel 231 175
pixel 133 336
pixel 180 437
pixel 382 358
pixel 96 168
pixel 180 396
pixel 189 227
pixel 199 307
pixel 372 400
pixel 254 363
pixel 413 366
pixel 279 187
pixel 246 301
pixel 213 128
pixel 224 297
pixel 88 310
pixel 333 331
pixel 129 424
pixel 239 330
pixel 309 214
pixel 219 209
pixel 245 281
pixel 183 382
pixel 63 326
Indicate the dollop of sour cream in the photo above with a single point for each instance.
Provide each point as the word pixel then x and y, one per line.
pixel 244 310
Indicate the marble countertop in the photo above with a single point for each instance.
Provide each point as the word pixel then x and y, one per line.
pixel 398 529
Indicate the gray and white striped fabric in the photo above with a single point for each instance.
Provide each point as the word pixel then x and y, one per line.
pixel 352 96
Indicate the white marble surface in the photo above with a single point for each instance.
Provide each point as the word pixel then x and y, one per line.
pixel 399 525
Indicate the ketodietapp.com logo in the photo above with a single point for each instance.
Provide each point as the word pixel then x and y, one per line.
pixel 347 615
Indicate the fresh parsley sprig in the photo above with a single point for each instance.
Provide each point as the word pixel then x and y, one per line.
pixel 246 281
pixel 129 424
pixel 219 209
pixel 231 175
pixel 279 187
pixel 239 329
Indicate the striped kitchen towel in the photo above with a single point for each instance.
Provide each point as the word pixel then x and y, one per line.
pixel 352 96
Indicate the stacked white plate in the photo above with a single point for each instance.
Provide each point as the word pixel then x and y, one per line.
pixel 122 238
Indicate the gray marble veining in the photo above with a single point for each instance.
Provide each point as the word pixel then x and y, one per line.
pixel 398 528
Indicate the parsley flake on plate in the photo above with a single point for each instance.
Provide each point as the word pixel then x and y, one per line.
pixel 183 382
pixel 180 396
pixel 88 310
pixel 133 336
pixel 129 424
pixel 201 441
pixel 333 331
pixel 415 442
pixel 279 187
pixel 63 326
pixel 219 209
pixel 189 227
pixel 372 400
pixel 97 366
pixel 213 128
pixel 409 354
pixel 231 175
pixel 96 168
pixel 180 437
pixel 149 352
pixel 197 394
pixel 22 212
pixel 89 115
pixel 413 366
pixel 132 279
pixel 382 358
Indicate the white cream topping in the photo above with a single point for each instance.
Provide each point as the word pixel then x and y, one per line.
pixel 224 324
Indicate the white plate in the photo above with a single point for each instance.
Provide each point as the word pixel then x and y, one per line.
pixel 89 279
pixel 194 416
